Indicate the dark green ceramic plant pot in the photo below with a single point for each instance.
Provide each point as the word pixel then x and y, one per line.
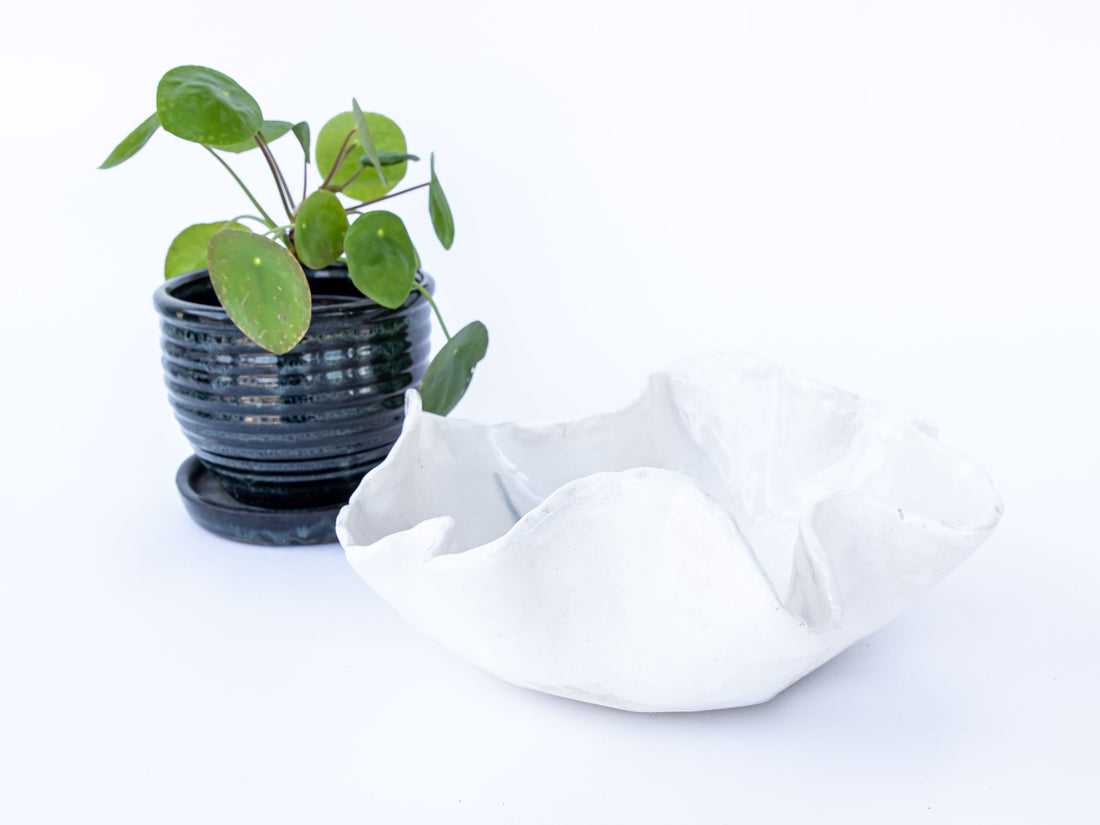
pixel 289 434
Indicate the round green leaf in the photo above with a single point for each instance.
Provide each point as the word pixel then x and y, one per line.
pixel 451 371
pixel 132 143
pixel 262 287
pixel 319 229
pixel 270 130
pixel 188 250
pixel 205 106
pixel 381 258
pixel 442 220
pixel 388 137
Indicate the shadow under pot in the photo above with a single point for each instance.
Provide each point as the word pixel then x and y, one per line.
pixel 281 441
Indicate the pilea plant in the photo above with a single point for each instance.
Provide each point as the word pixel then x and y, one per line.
pixel 258 275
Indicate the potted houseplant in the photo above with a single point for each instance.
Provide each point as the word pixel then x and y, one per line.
pixel 288 344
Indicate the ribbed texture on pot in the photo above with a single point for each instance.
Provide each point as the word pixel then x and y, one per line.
pixel 301 429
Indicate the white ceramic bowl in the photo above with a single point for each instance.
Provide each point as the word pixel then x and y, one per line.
pixel 730 531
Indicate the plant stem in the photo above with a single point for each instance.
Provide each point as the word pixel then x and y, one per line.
pixel 283 228
pixel 279 169
pixel 387 197
pixel 277 173
pixel 339 159
pixel 256 203
pixel 439 317
pixel 344 185
pixel 345 152
pixel 249 217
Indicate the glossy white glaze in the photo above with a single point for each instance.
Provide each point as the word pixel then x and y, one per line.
pixel 727 533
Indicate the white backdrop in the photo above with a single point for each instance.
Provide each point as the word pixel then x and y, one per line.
pixel 898 198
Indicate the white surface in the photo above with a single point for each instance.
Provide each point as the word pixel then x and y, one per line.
pixel 899 199
pixel 728 532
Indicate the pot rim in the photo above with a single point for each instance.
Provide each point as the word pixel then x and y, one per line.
pixel 167 303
